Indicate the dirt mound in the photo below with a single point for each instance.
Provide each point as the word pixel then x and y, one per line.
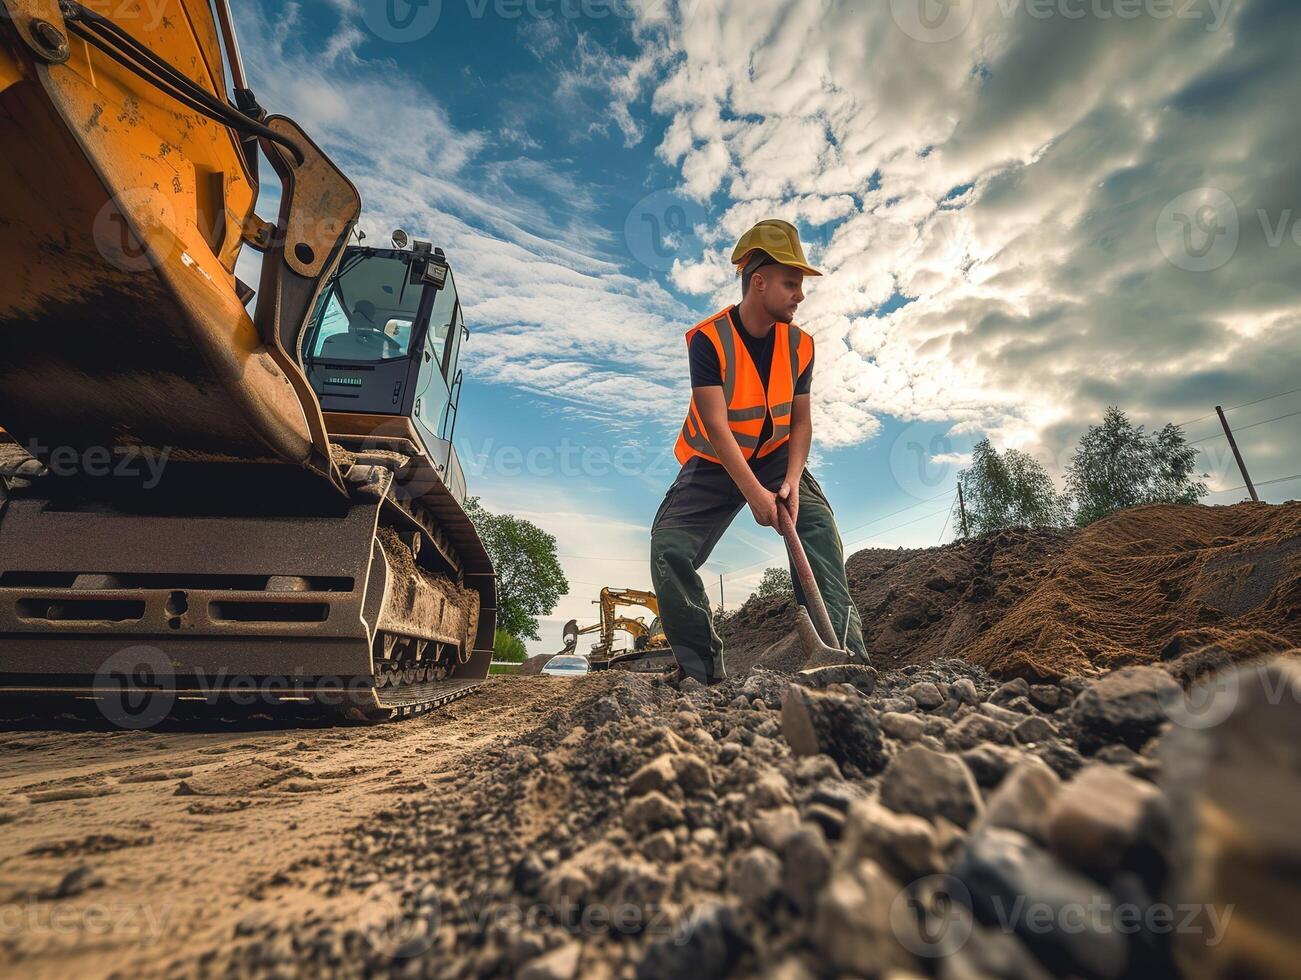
pixel 534 665
pixel 1145 584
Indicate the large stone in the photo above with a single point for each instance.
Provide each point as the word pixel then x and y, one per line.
pixel 772 827
pixel 1105 819
pixel 756 877
pixel 1128 705
pixel 926 694
pixel 991 953
pixel 1017 887
pixel 1022 800
pixel 906 727
pixel 658 775
pixel 902 843
pixel 806 865
pixel 1018 687
pixel 706 944
pixel 560 963
pixel 990 763
pixel 1230 771
pixel 842 726
pixel 1034 729
pixel 974 729
pixel 1004 715
pixel 964 691
pixel 852 927
pixel 931 784
pixel 651 812
pixel 769 789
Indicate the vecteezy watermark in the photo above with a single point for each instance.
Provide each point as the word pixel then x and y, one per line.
pixel 140 463
pixel 566 459
pixel 67 923
pixel 933 917
pixel 938 21
pixel 134 687
pixel 135 231
pixel 1199 230
pixel 404 21
pixel 132 15
pixel 661 228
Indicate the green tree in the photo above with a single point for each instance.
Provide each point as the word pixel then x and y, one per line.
pixel 1010 489
pixel 1117 465
pixel 776 582
pixel 530 580
pixel 507 647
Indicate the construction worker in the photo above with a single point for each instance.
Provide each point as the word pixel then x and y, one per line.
pixel 745 440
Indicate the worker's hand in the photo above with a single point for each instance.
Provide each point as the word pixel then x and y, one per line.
pixel 763 505
pixel 790 492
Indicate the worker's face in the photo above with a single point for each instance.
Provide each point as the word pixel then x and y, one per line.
pixel 782 291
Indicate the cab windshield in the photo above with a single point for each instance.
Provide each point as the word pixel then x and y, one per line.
pixel 368 311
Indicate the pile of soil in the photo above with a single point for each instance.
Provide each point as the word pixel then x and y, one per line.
pixel 1142 585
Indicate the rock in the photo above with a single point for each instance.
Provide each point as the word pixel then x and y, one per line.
pixel 902 843
pixel 657 776
pixel 836 794
pixel 706 944
pixel 991 953
pixel 860 677
pixel 806 865
pixel 931 784
pixel 689 685
pixel 844 728
pixel 1005 715
pixel 831 820
pixel 1045 697
pixel 1073 685
pixel 1034 729
pixel 908 728
pixel 900 704
pixel 1128 705
pixel 1062 759
pixel 527 874
pixel 1015 886
pixel 773 827
pixel 770 790
pixel 693 775
pixel 1018 687
pixel 1021 706
pixel 661 846
pixel 852 926
pixel 1022 800
pixel 651 812
pixel 791 968
pixel 560 963
pixel 926 694
pixel 974 729
pixel 812 768
pixel 964 691
pixel 79 880
pixel 756 877
pixel 990 763
pixel 1104 819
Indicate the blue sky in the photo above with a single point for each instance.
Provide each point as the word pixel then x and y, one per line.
pixel 1001 199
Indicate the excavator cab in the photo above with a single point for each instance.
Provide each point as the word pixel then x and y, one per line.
pixel 383 343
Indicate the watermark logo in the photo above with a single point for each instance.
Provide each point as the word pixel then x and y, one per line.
pixel 1198 231
pixel 401 21
pixel 932 917
pixel 134 687
pixel 1210 699
pixel 661 228
pixel 925 462
pixel 143 242
pixel 394 928
pixel 932 21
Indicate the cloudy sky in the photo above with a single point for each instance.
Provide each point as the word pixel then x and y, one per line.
pixel 1027 210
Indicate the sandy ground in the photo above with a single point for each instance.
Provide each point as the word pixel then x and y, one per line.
pixel 191 832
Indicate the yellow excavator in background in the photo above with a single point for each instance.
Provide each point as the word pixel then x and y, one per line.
pixel 196 502
pixel 650 647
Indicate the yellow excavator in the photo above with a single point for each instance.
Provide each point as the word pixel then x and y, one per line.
pixel 196 501
pixel 650 647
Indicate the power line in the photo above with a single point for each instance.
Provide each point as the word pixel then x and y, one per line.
pixel 1267 483
pixel 947 518
pixel 1243 428
pixel 857 527
pixel 1234 408
pixel 896 527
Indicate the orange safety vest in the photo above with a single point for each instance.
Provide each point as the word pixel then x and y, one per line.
pixel 747 401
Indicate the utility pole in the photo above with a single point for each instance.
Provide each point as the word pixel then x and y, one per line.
pixel 962 506
pixel 721 606
pixel 1228 434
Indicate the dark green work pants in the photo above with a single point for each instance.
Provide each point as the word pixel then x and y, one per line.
pixel 697 509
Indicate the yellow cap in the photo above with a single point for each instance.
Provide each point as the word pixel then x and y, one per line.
pixel 779 239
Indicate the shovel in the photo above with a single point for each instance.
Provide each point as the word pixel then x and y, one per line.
pixel 825 653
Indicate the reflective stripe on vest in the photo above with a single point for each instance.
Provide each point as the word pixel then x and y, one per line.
pixel 748 403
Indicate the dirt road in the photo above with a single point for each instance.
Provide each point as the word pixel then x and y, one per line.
pixel 128 851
